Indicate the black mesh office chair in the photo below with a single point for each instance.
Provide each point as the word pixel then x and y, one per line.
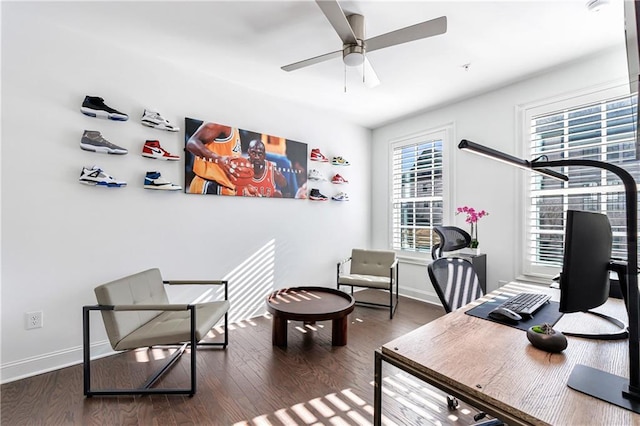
pixel 451 238
pixel 455 281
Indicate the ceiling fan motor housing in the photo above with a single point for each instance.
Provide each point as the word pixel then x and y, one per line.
pixel 353 54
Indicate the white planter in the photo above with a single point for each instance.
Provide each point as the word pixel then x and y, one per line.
pixel 472 251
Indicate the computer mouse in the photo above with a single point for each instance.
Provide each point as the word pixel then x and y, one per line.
pixel 502 314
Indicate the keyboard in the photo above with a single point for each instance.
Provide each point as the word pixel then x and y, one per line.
pixel 526 303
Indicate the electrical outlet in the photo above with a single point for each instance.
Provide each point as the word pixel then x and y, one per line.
pixel 33 320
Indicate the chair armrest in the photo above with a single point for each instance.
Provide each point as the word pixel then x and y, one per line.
pixel 198 282
pixel 339 265
pixel 168 307
pixel 394 264
pixel 225 283
pixel 342 262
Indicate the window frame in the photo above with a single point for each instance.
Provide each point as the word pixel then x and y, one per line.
pixel 445 133
pixel 525 114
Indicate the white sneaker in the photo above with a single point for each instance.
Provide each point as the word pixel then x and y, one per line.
pixel 95 176
pixel 339 161
pixel 153 180
pixel 340 196
pixel 154 119
pixel 316 175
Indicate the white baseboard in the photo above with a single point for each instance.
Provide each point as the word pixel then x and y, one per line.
pixel 32 366
pixel 28 367
pixel 16 370
pixel 423 296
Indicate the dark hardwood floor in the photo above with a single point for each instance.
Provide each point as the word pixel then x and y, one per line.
pixel 250 383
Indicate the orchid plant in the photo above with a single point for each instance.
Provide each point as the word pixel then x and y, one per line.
pixel 472 219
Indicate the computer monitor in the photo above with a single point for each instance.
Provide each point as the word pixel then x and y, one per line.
pixel 584 280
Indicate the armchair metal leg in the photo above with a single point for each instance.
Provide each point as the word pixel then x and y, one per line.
pixel 391 308
pixel 86 350
pixel 146 387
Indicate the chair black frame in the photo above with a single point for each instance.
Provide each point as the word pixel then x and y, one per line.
pixel 446 244
pixel 393 280
pixel 146 389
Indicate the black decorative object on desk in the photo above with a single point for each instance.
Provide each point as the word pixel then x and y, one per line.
pixel 546 338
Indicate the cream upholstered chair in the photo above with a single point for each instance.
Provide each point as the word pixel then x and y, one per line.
pixel 137 313
pixel 376 269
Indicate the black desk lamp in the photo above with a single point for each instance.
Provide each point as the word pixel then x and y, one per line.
pixel 608 387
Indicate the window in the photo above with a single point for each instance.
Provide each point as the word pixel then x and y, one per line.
pixel 416 191
pixel 601 130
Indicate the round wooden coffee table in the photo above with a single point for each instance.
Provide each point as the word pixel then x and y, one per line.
pixel 310 304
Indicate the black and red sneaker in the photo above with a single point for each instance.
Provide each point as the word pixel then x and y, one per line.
pixel 315 195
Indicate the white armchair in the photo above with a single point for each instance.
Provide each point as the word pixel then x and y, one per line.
pixel 377 269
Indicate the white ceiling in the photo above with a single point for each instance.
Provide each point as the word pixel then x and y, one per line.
pixel 246 43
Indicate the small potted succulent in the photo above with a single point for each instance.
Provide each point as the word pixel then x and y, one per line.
pixel 546 338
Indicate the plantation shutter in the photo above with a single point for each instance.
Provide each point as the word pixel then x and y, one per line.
pixel 417 192
pixel 603 131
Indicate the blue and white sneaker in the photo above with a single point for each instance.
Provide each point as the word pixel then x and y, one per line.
pixel 95 176
pixel 153 180
pixel 94 106
pixel 340 196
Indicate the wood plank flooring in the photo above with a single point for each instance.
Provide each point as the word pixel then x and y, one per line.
pixel 250 383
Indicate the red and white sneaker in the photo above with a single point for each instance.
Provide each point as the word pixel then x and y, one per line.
pixel 337 179
pixel 316 155
pixel 152 149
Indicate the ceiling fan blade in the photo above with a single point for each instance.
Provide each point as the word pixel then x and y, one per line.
pixel 370 78
pixel 414 32
pixel 338 20
pixel 312 61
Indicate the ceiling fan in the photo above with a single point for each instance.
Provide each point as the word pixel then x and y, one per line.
pixel 350 29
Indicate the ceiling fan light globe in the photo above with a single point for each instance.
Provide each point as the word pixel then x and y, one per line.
pixel 353 55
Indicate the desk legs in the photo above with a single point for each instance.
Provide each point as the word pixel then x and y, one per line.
pixel 377 389
pixel 279 331
pixel 478 403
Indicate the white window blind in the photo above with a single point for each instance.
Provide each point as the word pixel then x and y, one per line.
pixel 604 131
pixel 417 192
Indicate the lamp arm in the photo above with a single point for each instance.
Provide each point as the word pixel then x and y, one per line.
pixel 633 299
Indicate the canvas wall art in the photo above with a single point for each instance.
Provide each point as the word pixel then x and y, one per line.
pixel 225 160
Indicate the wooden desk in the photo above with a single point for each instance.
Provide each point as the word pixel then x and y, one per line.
pixel 495 369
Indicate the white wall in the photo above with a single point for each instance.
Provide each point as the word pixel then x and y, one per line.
pixel 60 239
pixel 491 120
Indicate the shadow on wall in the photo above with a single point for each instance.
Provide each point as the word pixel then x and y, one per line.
pixel 249 285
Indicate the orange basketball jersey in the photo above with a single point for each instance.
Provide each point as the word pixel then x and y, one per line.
pixel 226 147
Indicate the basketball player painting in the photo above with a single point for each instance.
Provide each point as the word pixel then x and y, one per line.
pixel 213 145
pixel 265 174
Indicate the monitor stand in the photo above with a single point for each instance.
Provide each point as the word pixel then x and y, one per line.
pixel 605 386
pixel 623 333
